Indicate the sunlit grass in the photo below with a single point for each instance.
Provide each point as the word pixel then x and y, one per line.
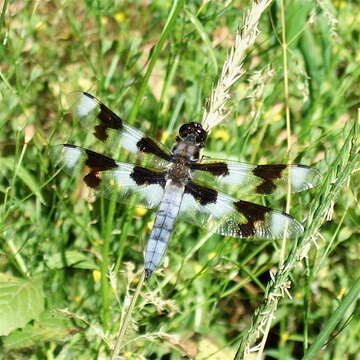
pixel 88 252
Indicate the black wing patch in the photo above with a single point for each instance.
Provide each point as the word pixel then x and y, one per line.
pixel 110 128
pixel 203 195
pixel 225 215
pixel 254 214
pixel 269 174
pixel 215 168
pixel 259 179
pixel 107 175
pixel 148 145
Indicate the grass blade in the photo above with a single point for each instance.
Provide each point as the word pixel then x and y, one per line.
pixel 338 316
pixel 169 26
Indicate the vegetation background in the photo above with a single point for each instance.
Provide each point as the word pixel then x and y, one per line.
pixel 70 261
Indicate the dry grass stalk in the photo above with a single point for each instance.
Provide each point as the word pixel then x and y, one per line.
pixel 232 70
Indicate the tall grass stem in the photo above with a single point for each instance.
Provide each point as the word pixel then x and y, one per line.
pixel 124 325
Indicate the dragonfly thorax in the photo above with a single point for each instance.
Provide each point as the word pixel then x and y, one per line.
pixel 187 150
pixel 179 172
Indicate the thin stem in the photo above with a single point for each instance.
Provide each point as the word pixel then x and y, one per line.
pixel 288 198
pixel 105 257
pixel 177 6
pixel 259 355
pixel 125 323
pixel 341 169
pixel 232 69
pixel 337 316
pixel 3 14
pixel 288 123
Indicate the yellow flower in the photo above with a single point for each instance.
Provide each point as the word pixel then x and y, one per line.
pixel 96 275
pixel 284 337
pixel 120 17
pixel 164 136
pixel 40 26
pixel 341 293
pixel 150 225
pixel 197 268
pixel 221 134
pixel 357 56
pixel 275 113
pixel 140 211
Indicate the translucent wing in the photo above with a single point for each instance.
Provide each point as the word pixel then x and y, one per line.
pixel 225 215
pixel 110 128
pixel 107 175
pixel 258 179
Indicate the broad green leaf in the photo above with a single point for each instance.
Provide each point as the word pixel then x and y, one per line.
pixel 203 34
pixel 24 175
pixel 297 20
pixel 20 302
pixel 50 327
pixel 71 258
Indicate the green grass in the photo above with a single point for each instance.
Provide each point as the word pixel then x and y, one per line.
pixel 156 68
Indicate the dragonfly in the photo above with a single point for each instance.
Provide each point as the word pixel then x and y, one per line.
pixel 174 181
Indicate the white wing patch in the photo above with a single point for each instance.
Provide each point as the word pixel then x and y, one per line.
pixel 221 207
pixel 298 177
pixel 303 178
pixel 227 216
pixel 218 209
pixel 130 137
pixel 71 156
pixel 258 179
pixel 152 194
pixel 85 105
pixel 238 174
pixel 122 175
pixel 112 177
pixel 188 203
pixel 281 222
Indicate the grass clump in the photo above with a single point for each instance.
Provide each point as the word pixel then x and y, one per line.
pixel 155 64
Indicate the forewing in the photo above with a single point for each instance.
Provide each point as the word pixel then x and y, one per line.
pixel 110 128
pixel 258 179
pixel 103 173
pixel 227 216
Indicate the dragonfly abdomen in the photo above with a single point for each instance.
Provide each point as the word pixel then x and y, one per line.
pixel 163 226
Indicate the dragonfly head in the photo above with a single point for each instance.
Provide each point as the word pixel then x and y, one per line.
pixel 194 133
